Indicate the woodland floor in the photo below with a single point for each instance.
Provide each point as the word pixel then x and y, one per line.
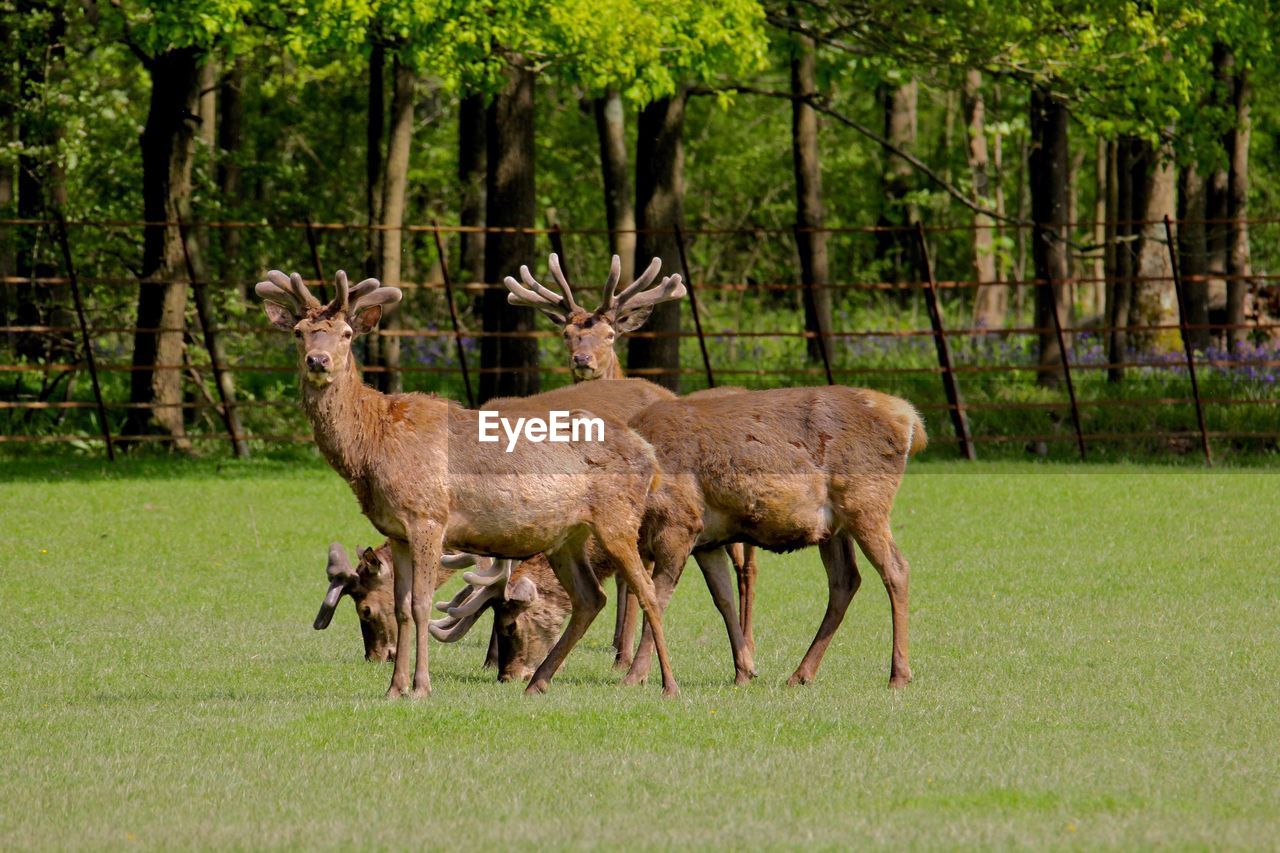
pixel 1096 653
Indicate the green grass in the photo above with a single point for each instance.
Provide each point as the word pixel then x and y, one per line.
pixel 1095 650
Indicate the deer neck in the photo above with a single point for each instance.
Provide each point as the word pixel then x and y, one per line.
pixel 611 368
pixel 345 420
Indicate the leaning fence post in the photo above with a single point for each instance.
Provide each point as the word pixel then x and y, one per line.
pixel 1186 341
pixel 229 418
pixel 84 333
pixel 693 305
pixel 1062 348
pixel 453 314
pixel 958 420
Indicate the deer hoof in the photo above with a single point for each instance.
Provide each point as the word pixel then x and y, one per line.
pixel 671 691
pixel 536 688
pixel 799 679
pixel 897 682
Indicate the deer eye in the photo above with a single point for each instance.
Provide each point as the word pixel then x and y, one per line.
pixel 346 336
pixel 297 333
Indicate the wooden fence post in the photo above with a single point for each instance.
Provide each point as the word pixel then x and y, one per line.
pixel 954 404
pixel 1186 342
pixel 693 304
pixel 453 314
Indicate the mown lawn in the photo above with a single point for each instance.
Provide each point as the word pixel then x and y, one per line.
pixel 1096 653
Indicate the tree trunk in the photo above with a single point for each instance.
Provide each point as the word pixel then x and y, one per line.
pixel 1193 255
pixel 395 183
pixel 510 202
pixel 375 123
pixel 471 160
pixel 208 103
pixel 897 249
pixel 660 208
pixel 620 213
pixel 1153 295
pixel 1217 188
pixel 811 241
pixel 1097 287
pixel 230 142
pixel 1128 202
pixel 41 188
pixel 166 192
pixel 1049 165
pixel 989 302
pixel 1238 264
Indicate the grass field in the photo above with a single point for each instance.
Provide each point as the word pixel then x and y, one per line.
pixel 1096 653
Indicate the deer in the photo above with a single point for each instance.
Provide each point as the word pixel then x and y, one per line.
pixel 425 481
pixel 782 469
pixel 528 616
pixel 591 338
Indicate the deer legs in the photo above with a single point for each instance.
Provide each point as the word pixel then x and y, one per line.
pixel 838 557
pixel 624 626
pixel 569 562
pixel 877 543
pixel 715 570
pixel 744 565
pixel 415 581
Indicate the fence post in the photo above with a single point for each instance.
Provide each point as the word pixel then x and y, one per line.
pixel 453 313
pixel 1186 342
pixel 693 304
pixel 813 300
pixel 65 242
pixel 1062 348
pixel 956 406
pixel 226 396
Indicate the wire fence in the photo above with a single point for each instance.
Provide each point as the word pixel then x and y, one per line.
pixel 68 322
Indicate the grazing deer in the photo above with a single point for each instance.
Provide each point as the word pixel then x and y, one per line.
pixel 425 481
pixel 782 469
pixel 528 617
pixel 591 338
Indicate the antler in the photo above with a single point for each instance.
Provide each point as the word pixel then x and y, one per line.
pixel 632 299
pixel 534 295
pixel 341 575
pixel 366 294
pixel 287 290
pixel 482 588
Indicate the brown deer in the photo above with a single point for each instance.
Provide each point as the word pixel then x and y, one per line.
pixel 528 617
pixel 782 469
pixel 425 481
pixel 591 338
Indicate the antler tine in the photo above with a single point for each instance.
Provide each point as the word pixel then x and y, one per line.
pixel 610 285
pixel 305 297
pixel 341 292
pixel 558 274
pixel 555 300
pixel 278 289
pixel 646 277
pixel 671 287
pixel 371 292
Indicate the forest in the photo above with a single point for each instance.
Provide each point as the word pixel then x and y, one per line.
pixel 1098 176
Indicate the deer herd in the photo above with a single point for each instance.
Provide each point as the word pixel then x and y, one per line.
pixel 541 524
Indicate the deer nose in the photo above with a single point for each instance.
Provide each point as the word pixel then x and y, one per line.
pixel 582 359
pixel 318 361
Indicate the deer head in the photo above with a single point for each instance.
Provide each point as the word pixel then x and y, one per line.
pixel 591 335
pixel 324 332
pixel 529 608
pixel 371 586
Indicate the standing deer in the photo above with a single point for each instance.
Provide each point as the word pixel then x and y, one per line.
pixel 425 481
pixel 591 338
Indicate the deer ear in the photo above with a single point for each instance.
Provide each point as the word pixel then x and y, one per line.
pixel 279 316
pixel 365 319
pixel 521 591
pixel 632 320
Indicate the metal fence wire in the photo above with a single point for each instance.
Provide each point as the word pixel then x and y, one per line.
pixel 68 319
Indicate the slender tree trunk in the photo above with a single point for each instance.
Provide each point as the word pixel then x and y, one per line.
pixel 620 213
pixel 1049 168
pixel 1153 296
pixel 375 124
pixel 230 143
pixel 1130 178
pixel 510 202
pixel 41 185
pixel 471 178
pixel 208 103
pixel 660 209
pixel 1097 287
pixel 166 192
pixel 989 302
pixel 1238 263
pixel 810 239
pixel 395 184
pixel 897 249
pixel 1193 255
pixel 1217 185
